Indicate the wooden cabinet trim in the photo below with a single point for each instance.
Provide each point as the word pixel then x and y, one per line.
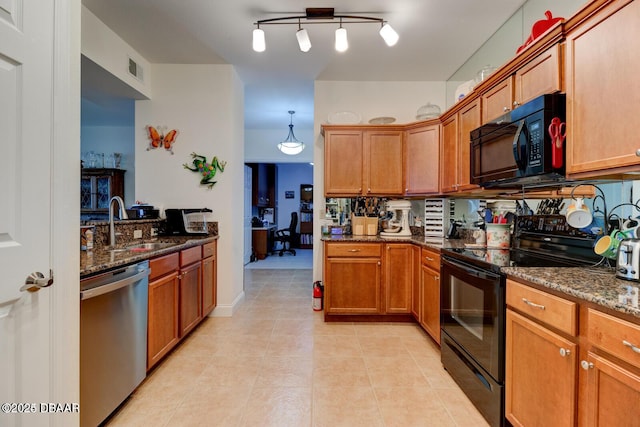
pixel 162 265
pixel 614 336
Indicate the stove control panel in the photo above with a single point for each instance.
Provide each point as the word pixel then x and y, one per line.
pixel 547 224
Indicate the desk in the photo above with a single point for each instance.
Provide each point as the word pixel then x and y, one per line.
pixel 262 240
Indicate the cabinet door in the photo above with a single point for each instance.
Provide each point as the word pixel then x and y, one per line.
pixel 613 394
pixel 209 288
pixel 398 277
pixel 539 76
pixel 497 100
pixel 421 154
pixel 468 120
pixel 190 291
pixel 343 158
pixel 540 381
pixel 449 158
pixel 603 92
pixel 383 162
pixel 430 319
pixel 416 283
pixel 162 332
pixel 352 286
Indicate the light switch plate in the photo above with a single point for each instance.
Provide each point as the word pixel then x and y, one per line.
pixel 137 234
pixel 154 232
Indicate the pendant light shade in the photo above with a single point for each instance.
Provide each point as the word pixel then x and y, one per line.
pixel 291 145
pixel 389 35
pixel 342 44
pixel 259 44
pixel 303 40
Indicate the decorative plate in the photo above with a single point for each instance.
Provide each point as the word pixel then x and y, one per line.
pixel 344 118
pixel 382 120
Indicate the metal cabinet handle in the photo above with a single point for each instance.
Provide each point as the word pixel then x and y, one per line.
pixel 638 152
pixel 36 281
pixel 437 278
pixel 533 304
pixel 506 109
pixel 586 365
pixel 354 250
pixel 516 104
pixel 564 352
pixel 428 258
pixel 631 346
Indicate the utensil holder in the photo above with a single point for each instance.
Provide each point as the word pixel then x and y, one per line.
pixel 358 225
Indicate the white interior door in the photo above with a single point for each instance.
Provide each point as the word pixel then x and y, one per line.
pixel 28 357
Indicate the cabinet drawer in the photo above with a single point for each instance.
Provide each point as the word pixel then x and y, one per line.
pixel 431 259
pixel 163 265
pixel 208 249
pixel 554 311
pixel 615 336
pixel 353 250
pixel 189 256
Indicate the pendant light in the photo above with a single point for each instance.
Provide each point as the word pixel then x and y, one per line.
pixel 342 44
pixel 291 145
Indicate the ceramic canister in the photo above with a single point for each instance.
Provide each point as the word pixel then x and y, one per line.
pixel 498 235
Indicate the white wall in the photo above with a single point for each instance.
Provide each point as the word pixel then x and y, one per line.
pixel 205 104
pixel 107 49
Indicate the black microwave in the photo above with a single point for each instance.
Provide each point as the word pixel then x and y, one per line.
pixel 516 149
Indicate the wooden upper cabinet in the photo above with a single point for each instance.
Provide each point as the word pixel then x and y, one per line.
pixel 537 77
pixel 498 100
pixel 603 92
pixel 363 162
pixel 343 154
pixel 382 162
pixel 449 157
pixel 421 164
pixel 469 119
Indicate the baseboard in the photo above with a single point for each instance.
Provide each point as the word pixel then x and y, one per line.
pixel 227 310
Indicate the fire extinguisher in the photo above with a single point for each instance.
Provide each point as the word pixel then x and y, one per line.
pixel 318 295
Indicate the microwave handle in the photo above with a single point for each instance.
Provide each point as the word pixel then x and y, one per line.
pixel 521 146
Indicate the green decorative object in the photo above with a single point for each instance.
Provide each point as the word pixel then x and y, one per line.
pixel 205 169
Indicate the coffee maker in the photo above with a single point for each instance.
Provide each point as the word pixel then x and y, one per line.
pixel 398 225
pixel 628 260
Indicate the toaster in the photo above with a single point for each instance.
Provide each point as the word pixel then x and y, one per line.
pixel 628 260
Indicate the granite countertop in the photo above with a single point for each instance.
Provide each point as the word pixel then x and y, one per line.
pixel 596 284
pixel 101 259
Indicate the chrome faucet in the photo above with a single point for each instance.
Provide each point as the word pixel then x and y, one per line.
pixel 122 214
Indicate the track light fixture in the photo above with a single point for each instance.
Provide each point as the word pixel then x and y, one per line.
pixel 322 15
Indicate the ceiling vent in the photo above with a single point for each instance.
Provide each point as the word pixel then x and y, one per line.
pixel 135 69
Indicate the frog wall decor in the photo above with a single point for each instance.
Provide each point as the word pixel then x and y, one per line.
pixel 205 169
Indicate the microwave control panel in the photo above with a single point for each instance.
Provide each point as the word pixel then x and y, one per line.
pixel 536 135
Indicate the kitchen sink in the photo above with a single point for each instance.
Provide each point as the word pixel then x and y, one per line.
pixel 142 247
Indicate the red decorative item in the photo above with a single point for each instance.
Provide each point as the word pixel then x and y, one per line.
pixel 557 132
pixel 539 28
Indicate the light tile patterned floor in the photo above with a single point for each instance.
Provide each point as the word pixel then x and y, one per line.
pixel 277 363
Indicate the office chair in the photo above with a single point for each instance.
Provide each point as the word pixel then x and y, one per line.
pixel 287 235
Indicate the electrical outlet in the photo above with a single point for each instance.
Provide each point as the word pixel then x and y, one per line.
pixel 154 232
pixel 137 234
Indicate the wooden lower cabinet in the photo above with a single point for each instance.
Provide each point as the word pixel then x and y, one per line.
pixel 209 278
pixel 429 316
pixel 163 308
pixel 190 297
pixel 352 286
pixel 541 375
pixel 398 277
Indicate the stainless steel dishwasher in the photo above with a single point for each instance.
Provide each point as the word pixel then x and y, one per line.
pixel 113 339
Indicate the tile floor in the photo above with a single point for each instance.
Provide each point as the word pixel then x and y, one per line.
pixel 276 363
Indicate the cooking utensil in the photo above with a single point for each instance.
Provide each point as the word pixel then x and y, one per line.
pixel 557 132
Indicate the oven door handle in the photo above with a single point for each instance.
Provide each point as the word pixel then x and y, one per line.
pixel 472 271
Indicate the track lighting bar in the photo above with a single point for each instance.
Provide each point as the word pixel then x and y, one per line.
pixel 322 15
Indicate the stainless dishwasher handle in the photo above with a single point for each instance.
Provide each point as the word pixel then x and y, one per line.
pixel 101 290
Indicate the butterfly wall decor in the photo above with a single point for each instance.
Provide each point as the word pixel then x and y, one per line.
pixel 160 139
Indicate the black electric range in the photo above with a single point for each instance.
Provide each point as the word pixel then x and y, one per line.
pixel 538 241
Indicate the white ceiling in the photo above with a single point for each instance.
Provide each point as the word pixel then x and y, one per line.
pixel 436 37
